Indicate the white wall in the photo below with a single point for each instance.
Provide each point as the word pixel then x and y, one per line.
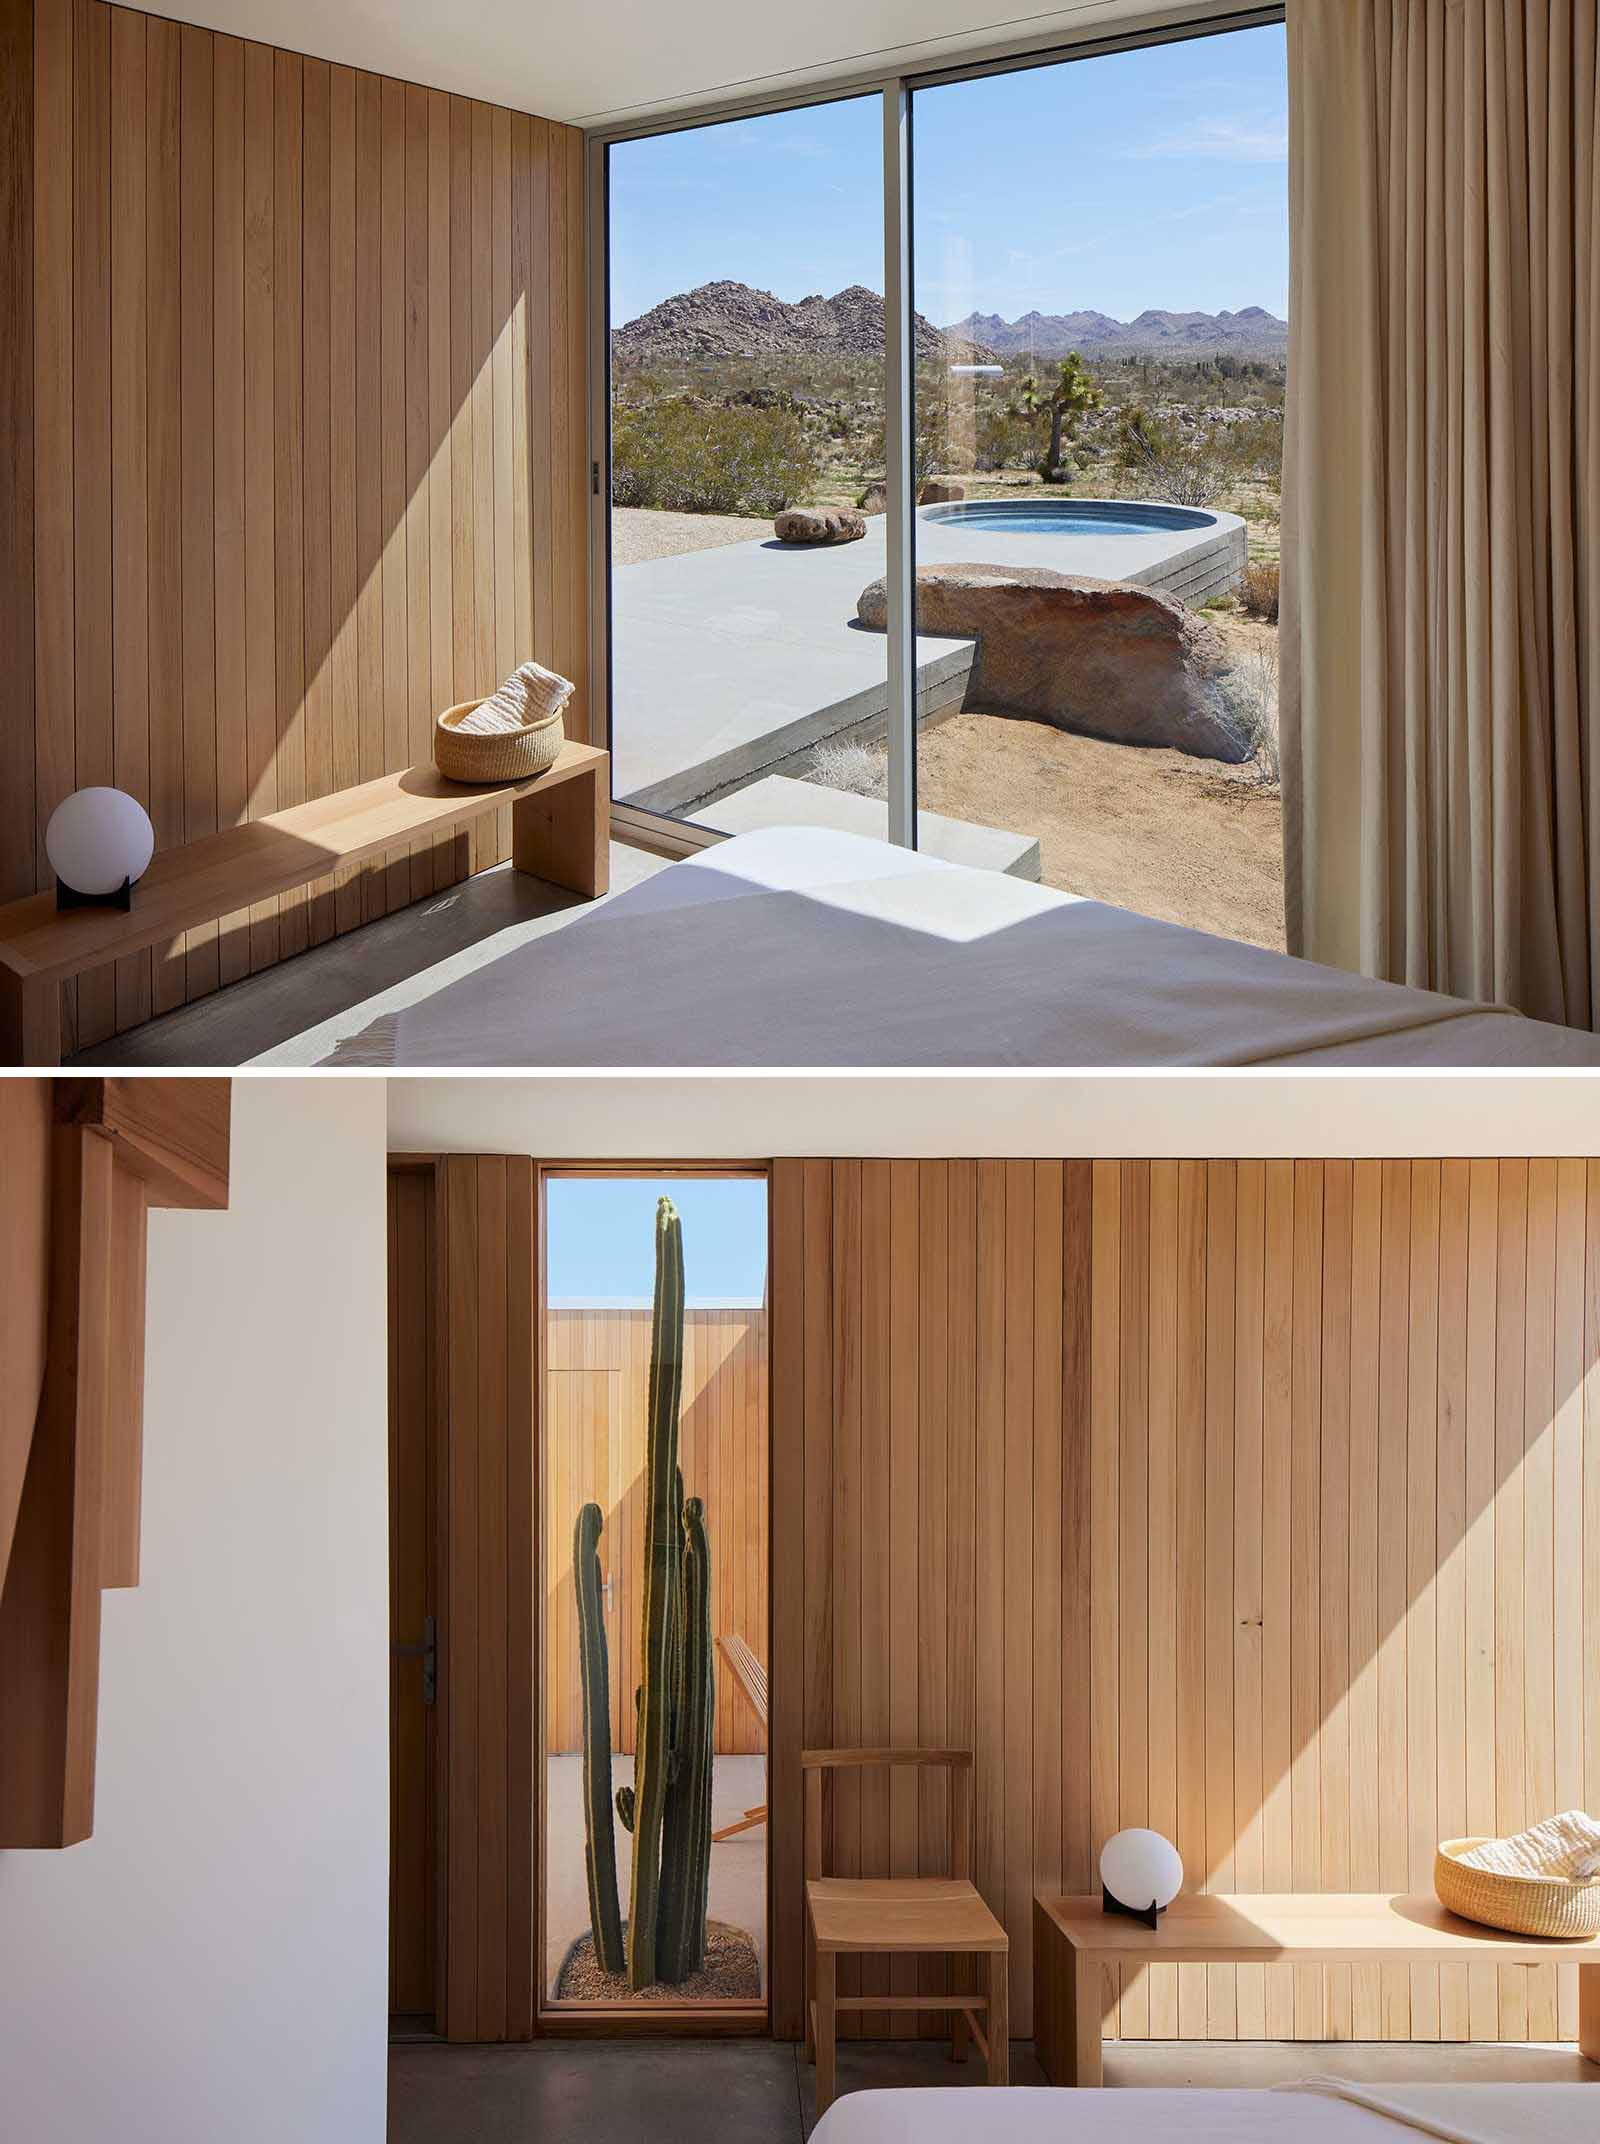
pixel 594 1116
pixel 213 1963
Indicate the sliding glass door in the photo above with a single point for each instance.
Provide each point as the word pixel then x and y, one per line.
pixel 746 409
pixel 945 429
pixel 1097 441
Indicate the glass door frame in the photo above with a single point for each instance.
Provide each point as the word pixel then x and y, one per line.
pixel 896 90
pixel 572 2020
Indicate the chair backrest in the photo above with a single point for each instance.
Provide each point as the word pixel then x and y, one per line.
pixel 818 1765
pixel 750 1675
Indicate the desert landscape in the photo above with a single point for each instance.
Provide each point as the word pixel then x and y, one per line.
pixel 730 405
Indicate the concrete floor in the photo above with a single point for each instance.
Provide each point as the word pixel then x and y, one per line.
pixel 738 1887
pixel 295 1013
pixel 742 2091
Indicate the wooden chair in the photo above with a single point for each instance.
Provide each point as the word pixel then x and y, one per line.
pixel 751 1677
pixel 939 1915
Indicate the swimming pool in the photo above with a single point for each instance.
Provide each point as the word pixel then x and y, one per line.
pixel 1067 517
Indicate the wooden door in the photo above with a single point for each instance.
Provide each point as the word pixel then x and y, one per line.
pixel 413 1602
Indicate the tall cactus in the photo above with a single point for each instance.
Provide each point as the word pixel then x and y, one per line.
pixel 600 1852
pixel 668 1808
pixel 686 1835
pixel 660 1636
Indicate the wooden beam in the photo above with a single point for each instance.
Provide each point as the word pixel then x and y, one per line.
pixel 24 1289
pixel 50 1604
pixel 122 1503
pixel 171 1133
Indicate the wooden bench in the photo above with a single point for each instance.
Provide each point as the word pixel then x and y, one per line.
pixel 751 1677
pixel 560 831
pixel 1074 1939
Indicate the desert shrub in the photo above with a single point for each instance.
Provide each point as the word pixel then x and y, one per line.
pixel 698 457
pixel 841 763
pixel 1258 591
pixel 1251 691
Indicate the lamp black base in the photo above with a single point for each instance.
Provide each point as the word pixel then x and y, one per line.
pixel 69 897
pixel 1148 1914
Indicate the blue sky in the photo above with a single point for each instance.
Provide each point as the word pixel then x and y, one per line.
pixel 601 1236
pixel 1147 178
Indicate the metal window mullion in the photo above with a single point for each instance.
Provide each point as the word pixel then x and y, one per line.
pixel 898 466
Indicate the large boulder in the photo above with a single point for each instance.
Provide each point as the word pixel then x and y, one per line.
pixel 1108 658
pixel 815 524
pixel 937 489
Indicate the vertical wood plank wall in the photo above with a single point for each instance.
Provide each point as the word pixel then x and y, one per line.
pixel 415 1512
pixel 597 1364
pixel 292 368
pixel 489 1638
pixel 1258 1501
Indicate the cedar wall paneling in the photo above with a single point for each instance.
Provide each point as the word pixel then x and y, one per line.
pixel 488 1640
pixel 292 366
pixel 1254 1500
pixel 597 1365
pixel 415 1514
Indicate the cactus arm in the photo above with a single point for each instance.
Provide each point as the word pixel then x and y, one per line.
pixel 625 1810
pixel 686 1838
pixel 658 1663
pixel 600 1851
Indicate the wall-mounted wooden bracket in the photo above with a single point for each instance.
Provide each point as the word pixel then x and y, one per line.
pixel 90 1166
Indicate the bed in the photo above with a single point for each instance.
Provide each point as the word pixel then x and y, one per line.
pixel 1315 2113
pixel 802 946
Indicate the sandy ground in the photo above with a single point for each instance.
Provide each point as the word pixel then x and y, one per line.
pixel 738 1888
pixel 1182 839
pixel 641 532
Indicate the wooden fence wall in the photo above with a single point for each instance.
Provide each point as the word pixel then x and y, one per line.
pixel 292 363
pixel 596 1376
pixel 1258 1501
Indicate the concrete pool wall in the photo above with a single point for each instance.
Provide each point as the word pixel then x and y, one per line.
pixel 731 664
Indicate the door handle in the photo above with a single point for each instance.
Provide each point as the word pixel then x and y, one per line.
pixel 425 1649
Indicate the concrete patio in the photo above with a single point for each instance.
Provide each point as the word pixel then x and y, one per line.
pixel 729 663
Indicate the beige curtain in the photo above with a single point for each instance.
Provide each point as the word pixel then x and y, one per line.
pixel 1441 597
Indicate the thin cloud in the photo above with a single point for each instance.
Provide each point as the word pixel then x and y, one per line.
pixel 1228 139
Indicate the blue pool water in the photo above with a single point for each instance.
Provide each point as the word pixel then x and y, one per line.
pixel 1067 517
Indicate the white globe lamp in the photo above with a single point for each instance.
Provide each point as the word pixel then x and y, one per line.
pixel 99 842
pixel 1141 1873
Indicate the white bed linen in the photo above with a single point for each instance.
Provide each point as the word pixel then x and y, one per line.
pixel 803 946
pixel 968 2114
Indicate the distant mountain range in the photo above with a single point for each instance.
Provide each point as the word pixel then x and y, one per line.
pixel 1054 334
pixel 732 320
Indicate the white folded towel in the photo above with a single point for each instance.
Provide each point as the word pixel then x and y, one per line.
pixel 530 694
pixel 1565 1846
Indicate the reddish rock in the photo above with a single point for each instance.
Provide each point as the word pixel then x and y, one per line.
pixel 937 490
pixel 815 524
pixel 1108 658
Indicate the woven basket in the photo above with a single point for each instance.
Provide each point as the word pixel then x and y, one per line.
pixel 1523 1905
pixel 494 755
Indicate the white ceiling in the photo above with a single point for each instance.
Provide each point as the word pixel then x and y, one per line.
pixel 729 1117
pixel 605 60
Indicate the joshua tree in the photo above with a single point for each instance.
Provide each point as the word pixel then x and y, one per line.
pixel 668 1808
pixel 1065 401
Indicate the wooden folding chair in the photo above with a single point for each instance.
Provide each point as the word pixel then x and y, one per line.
pixel 751 1677
pixel 937 1915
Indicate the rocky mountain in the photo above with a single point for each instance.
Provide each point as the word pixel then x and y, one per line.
pixel 732 320
pixel 1253 331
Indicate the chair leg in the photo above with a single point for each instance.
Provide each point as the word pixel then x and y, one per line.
pixel 997 2024
pixel 810 1992
pixel 825 2031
